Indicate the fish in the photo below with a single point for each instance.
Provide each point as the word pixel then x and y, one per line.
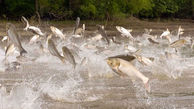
pixel 80 31
pixel 125 68
pixel 192 43
pixel 57 32
pixel 96 37
pixel 33 29
pixel 48 37
pixel 125 32
pixel 178 43
pixel 83 29
pixel 115 41
pixel 166 34
pixel 130 48
pixel 4 38
pixel 68 55
pixel 148 31
pixel 143 60
pixel 53 50
pixel 153 41
pixel 180 32
pixel 103 33
pixel 150 36
pixel 76 25
pixel 14 37
pixel 41 47
pixel 128 58
pixel 34 39
pixel 9 49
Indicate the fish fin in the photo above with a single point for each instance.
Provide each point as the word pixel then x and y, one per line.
pixel 23 52
pixel 62 59
pixel 147 86
pixel 74 30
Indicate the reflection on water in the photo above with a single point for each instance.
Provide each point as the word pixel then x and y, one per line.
pixel 43 82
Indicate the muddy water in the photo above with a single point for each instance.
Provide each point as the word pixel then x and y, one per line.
pixel 43 82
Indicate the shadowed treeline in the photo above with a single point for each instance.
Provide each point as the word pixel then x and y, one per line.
pixel 97 9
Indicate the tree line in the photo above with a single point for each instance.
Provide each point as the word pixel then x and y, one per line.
pixel 97 9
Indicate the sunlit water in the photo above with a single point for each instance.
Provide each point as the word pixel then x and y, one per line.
pixel 43 82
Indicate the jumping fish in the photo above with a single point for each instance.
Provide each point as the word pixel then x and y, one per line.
pixel 33 29
pixel 69 56
pixel 166 34
pixel 14 37
pixel 57 32
pixel 4 38
pixel 143 60
pixel 9 49
pixel 53 50
pixel 178 43
pixel 80 31
pixel 34 39
pixel 125 68
pixel 96 37
pixel 180 32
pixel 153 41
pixel 76 25
pixel 125 32
pixel 192 43
pixel 147 31
pixel 102 32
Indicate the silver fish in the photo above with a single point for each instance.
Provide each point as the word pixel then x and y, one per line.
pixel 192 43
pixel 178 43
pixel 10 49
pixel 53 50
pixel 125 68
pixel 33 29
pixel 76 25
pixel 153 41
pixel 14 37
pixel 103 33
pixel 69 56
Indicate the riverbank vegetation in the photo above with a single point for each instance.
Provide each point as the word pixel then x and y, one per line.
pixel 97 9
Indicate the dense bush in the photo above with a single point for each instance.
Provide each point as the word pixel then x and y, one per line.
pixel 97 9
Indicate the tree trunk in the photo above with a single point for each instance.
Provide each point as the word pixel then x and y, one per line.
pixel 37 11
pixel 36 6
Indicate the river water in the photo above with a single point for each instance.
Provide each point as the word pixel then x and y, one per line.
pixel 41 81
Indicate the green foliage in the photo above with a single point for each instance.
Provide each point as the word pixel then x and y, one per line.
pixel 99 9
pixel 54 8
pixel 136 6
pixel 87 9
pixel 164 7
pixel 17 8
pixel 184 8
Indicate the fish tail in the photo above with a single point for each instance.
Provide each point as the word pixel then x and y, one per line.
pixel 62 59
pixel 74 65
pixel 74 30
pixel 23 51
pixel 147 86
